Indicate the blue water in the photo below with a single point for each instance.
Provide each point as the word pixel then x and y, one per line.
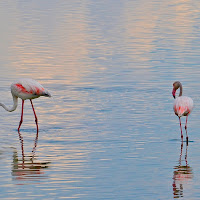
pixel 109 131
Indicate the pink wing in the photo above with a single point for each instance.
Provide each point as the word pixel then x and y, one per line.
pixel 29 86
pixel 28 89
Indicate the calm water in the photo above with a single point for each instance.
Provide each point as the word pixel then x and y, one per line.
pixel 109 131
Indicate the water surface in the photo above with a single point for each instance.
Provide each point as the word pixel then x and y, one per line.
pixel 109 131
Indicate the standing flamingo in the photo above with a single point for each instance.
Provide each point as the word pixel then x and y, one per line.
pixel 26 89
pixel 182 105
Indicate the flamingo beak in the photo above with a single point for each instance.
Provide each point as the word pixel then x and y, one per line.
pixel 174 93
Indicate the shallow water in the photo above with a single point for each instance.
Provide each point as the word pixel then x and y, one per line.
pixel 109 131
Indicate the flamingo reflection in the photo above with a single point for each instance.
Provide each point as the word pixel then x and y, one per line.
pixel 182 175
pixel 28 168
pixel 22 144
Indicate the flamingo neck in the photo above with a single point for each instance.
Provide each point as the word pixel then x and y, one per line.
pixel 15 103
pixel 181 89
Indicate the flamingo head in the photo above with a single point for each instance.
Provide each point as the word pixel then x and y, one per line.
pixel 176 85
pixel 46 94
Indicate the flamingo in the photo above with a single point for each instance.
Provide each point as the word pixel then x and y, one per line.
pixel 26 89
pixel 183 106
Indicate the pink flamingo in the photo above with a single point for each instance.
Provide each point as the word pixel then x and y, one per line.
pixel 182 106
pixel 26 89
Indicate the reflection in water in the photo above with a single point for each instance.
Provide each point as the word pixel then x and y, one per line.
pixel 182 174
pixel 27 168
pixel 22 143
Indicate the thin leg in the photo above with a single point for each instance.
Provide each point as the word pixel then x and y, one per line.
pixel 186 130
pixel 186 155
pixel 36 120
pixel 35 145
pixel 22 144
pixel 181 153
pixel 20 123
pixel 181 128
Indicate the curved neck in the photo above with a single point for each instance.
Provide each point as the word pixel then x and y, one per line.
pixel 15 102
pixel 181 89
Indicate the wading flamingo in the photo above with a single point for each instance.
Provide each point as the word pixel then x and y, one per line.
pixel 26 89
pixel 182 106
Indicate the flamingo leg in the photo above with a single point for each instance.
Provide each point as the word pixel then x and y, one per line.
pixel 181 153
pixel 35 145
pixel 22 145
pixel 20 123
pixel 20 136
pixel 186 129
pixel 181 128
pixel 36 120
pixel 186 155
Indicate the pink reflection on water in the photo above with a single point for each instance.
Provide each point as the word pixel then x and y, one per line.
pixel 183 174
pixel 27 168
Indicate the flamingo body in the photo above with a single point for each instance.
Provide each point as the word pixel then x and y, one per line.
pixel 183 106
pixel 28 89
